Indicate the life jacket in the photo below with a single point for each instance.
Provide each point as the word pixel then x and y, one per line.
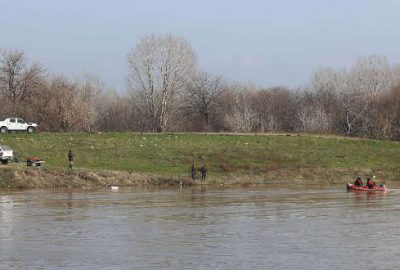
pixel 370 184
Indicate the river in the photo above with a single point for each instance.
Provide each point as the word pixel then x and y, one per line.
pixel 200 228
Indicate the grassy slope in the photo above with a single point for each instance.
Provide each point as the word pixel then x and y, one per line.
pixel 240 157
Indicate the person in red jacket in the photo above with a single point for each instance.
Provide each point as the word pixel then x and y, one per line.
pixel 370 183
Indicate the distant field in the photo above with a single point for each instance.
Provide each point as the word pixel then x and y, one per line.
pixel 265 157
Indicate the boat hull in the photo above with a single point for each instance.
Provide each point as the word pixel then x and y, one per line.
pixel 378 188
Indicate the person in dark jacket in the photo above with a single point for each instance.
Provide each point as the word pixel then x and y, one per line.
pixel 203 171
pixel 358 182
pixel 70 159
pixel 193 172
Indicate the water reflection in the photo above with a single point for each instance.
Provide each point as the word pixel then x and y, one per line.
pixel 199 228
pixel 365 198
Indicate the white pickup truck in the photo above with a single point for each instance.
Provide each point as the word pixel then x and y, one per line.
pixel 17 124
pixel 6 154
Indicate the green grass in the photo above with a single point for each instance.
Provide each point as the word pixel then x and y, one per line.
pixel 272 156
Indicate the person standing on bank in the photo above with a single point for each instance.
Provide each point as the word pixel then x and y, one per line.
pixel 203 173
pixel 70 159
pixel 193 172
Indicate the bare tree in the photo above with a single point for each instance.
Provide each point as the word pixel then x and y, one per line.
pixel 387 118
pixel 116 114
pixel 159 70
pixel 67 105
pixel 310 114
pixel 347 98
pixel 203 97
pixel 17 79
pixel 90 93
pixel 240 116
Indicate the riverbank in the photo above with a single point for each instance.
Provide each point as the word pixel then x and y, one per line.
pixel 132 159
pixel 18 177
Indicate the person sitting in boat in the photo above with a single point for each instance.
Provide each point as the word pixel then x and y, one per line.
pixel 370 183
pixel 358 182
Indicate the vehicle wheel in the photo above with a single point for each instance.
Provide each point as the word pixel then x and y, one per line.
pixel 29 163
pixel 3 130
pixel 4 161
pixel 31 129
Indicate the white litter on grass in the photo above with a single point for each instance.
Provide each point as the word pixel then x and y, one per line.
pixel 114 187
pixel 141 145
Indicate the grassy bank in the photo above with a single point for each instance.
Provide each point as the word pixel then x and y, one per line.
pixel 230 158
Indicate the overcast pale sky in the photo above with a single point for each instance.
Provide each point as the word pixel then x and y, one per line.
pixel 265 42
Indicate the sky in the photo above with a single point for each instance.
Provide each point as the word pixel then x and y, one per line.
pixel 263 42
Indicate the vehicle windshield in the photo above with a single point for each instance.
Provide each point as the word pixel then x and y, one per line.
pixel 5 148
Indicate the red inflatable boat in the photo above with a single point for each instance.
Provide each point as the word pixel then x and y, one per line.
pixel 364 188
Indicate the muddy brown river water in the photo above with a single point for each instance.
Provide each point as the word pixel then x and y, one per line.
pixel 200 228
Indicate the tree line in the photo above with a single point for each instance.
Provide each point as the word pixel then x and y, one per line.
pixel 168 92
